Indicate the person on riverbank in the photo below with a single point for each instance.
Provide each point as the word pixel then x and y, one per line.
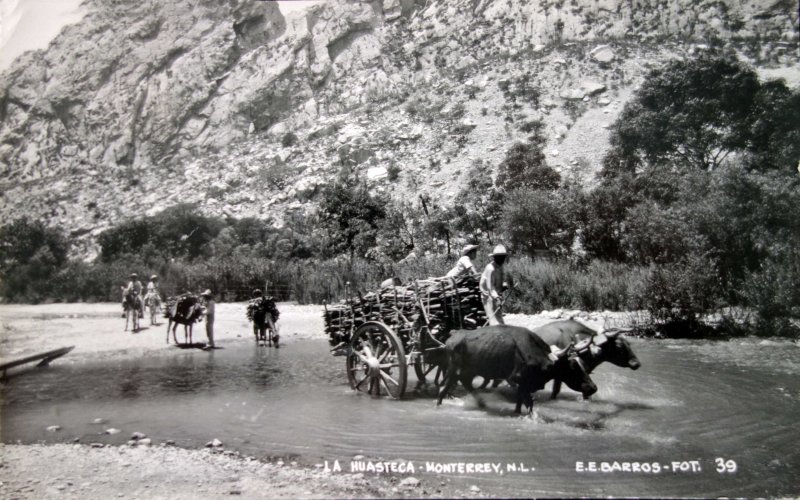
pixel 134 287
pixel 210 306
pixel 464 264
pixel 493 284
pixel 152 286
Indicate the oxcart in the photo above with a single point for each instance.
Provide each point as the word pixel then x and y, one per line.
pixel 384 333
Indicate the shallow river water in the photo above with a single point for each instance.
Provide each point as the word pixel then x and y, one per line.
pixel 699 419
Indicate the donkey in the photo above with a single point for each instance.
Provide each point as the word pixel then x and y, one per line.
pixel 264 315
pixel 152 301
pixel 185 310
pixel 133 310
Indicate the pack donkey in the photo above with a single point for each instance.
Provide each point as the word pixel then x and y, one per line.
pixel 183 310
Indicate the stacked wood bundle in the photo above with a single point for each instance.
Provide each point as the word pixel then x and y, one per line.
pixel 448 303
pixel 259 306
pixel 178 306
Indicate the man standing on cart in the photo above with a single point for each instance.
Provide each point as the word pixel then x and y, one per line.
pixel 492 285
pixel 464 264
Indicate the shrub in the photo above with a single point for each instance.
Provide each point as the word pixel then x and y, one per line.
pixel 544 283
pixel 773 294
pixel 525 166
pixel 289 139
pixel 536 219
pixel 30 254
pixel 677 294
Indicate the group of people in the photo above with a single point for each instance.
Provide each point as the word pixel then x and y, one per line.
pixel 492 283
pixel 134 287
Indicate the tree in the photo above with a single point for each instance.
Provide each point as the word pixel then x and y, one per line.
pixel 31 254
pixel 695 114
pixel 178 231
pixel 399 229
pixel 478 206
pixel 23 239
pixel 604 223
pixel 524 167
pixel 536 219
pixel 350 215
pixel 775 130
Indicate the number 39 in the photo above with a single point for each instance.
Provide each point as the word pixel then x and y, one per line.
pixel 724 466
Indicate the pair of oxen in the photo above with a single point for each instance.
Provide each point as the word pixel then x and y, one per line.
pixel 562 351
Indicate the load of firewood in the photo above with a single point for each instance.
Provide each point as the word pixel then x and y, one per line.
pixel 448 304
pixel 180 306
pixel 259 306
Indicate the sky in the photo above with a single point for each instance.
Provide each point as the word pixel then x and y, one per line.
pixel 32 24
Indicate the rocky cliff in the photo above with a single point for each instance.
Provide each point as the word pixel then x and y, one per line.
pixel 145 104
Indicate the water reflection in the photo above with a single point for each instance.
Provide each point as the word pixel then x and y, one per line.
pixel 690 400
pixel 129 385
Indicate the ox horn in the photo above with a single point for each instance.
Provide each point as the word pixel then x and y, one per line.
pixel 581 346
pixel 560 353
pixel 614 332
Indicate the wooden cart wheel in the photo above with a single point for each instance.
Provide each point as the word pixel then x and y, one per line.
pixel 377 363
pixel 425 370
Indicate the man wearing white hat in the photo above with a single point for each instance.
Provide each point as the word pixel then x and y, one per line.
pixel 464 264
pixel 492 284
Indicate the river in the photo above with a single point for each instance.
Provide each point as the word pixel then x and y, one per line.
pixel 699 419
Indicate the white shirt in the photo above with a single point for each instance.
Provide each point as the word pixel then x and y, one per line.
pixel 491 283
pixel 463 266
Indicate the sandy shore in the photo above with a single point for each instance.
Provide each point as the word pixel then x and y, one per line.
pixel 98 329
pixel 159 471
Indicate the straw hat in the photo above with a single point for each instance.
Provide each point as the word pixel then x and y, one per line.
pixel 498 250
pixel 154 277
pixel 207 293
pixel 469 248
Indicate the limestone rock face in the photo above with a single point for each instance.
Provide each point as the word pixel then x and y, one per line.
pixel 144 104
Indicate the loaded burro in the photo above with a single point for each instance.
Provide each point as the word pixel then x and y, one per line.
pixel 450 330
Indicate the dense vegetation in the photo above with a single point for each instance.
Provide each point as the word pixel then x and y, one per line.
pixel 696 213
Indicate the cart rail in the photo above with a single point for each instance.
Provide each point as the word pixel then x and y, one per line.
pixel 385 331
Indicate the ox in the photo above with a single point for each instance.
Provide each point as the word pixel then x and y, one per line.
pixel 185 310
pixel 514 353
pixel 591 347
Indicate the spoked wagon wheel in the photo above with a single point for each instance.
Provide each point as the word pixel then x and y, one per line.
pixel 377 363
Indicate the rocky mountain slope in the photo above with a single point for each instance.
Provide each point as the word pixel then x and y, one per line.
pixel 145 104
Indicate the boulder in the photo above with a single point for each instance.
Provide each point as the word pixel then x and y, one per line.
pixel 575 94
pixel 591 88
pixel 409 483
pixel 216 443
pixel 602 54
